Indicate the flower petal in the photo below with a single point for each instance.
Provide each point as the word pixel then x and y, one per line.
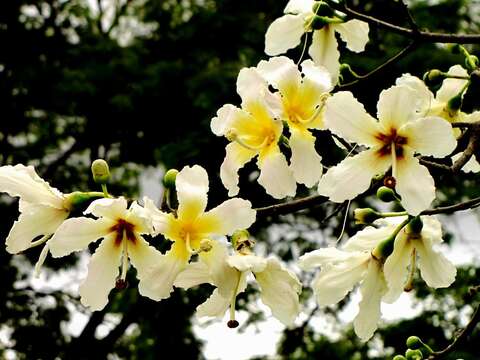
pixel 275 175
pixel 352 176
pixel 368 238
pixel 372 290
pixel 215 306
pixel 299 6
pixel 347 118
pixel 226 115
pixel 435 268
pixel 324 256
pixel 157 284
pixel 35 220
pixel 108 208
pixel 305 161
pixel 76 233
pixel 194 274
pixel 225 219
pixel 103 271
pixel 284 33
pixel 394 108
pixel 279 291
pixel 23 181
pixel 192 188
pixel 250 84
pixel 395 268
pixel 236 157
pixel 247 262
pixel 414 184
pixel 354 33
pixel 324 52
pixel 424 95
pixel 163 223
pixel 316 77
pixel 283 74
pixel 430 136
pixel 142 256
pixel 335 281
pixel 451 87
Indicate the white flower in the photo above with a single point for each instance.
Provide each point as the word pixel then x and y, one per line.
pixel 435 268
pixel 301 107
pixel 279 287
pixel 437 105
pixel 42 209
pixel 253 131
pixel 342 269
pixel 392 141
pixel 121 231
pixel 189 227
pixel 286 32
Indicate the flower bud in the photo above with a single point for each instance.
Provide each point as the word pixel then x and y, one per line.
pixel 386 194
pixel 471 62
pixel 78 200
pixel 169 178
pixel 100 171
pixel 434 77
pixel 455 103
pixel 414 342
pixel 384 248
pixel 414 354
pixel 399 357
pixel 365 216
pixel 455 48
pixel 415 225
pixel 241 241
pixel 321 9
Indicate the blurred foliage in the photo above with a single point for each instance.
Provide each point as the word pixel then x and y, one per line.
pixel 136 82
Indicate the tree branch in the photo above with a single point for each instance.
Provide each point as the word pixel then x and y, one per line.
pixel 426 36
pixel 291 206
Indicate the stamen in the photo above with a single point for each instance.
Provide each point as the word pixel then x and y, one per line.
pixel 232 323
pixel 188 245
pixel 41 260
pixel 232 135
pixel 40 241
pixel 413 264
pixel 394 159
pixel 318 110
pixel 123 276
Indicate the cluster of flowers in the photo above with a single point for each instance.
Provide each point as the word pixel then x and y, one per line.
pixel 278 97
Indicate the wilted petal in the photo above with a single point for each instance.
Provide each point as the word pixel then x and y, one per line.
pixel 103 271
pixel 435 268
pixel 352 176
pixel 452 87
pixel 305 161
pixel 396 266
pixel 324 52
pixel 354 33
pixel 275 175
pixel 23 181
pixel 284 33
pixel 192 188
pixel 157 284
pixel 75 234
pixel 347 118
pixel 372 290
pixel 430 136
pixel 279 291
pixel 225 219
pixel 394 108
pixel 35 220
pixel 414 184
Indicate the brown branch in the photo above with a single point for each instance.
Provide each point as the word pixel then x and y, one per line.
pixel 291 206
pixel 460 338
pixel 426 36
pixel 466 205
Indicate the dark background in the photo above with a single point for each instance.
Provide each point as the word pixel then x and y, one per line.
pixel 71 91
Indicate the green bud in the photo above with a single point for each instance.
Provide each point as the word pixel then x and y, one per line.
pixel 239 236
pixel 471 62
pixel 386 194
pixel 415 225
pixel 365 216
pixel 100 171
pixel 79 200
pixel 169 178
pixel 321 9
pixel 455 103
pixel 414 354
pixel 434 77
pixel 384 249
pixel 414 342
pixel 399 357
pixel 241 241
pixel 455 48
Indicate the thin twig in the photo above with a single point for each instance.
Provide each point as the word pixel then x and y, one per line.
pixel 291 206
pixel 409 33
pixel 465 205
pixel 460 338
